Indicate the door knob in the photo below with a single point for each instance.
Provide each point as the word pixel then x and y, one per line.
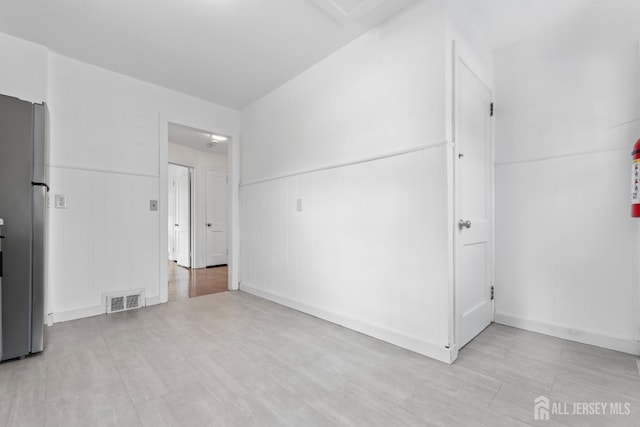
pixel 208 224
pixel 177 225
pixel 464 224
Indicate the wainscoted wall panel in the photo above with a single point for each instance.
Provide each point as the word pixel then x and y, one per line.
pixel 573 267
pixel 107 219
pixel 566 248
pixel 370 242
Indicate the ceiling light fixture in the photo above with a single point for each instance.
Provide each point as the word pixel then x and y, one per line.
pixel 217 138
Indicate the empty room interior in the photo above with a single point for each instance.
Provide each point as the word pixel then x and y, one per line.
pixel 320 212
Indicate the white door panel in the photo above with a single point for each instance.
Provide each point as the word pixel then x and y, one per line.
pixel 473 194
pixel 171 215
pixel 183 218
pixel 216 188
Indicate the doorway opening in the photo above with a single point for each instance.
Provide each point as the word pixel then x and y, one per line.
pixel 197 220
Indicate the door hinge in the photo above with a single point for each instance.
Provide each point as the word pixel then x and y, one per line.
pixel 493 293
pixel 491 109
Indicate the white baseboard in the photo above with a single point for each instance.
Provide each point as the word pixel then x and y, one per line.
pixel 429 349
pixel 64 316
pixel 97 310
pixel 571 334
pixel 153 300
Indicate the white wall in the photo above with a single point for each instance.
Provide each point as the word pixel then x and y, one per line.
pixel 104 241
pixel 567 250
pixel 23 73
pixel 369 250
pixel 380 93
pixel 471 45
pixel 200 161
pixel 106 137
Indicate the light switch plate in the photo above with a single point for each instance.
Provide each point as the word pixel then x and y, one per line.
pixel 153 205
pixel 61 201
pixel 299 205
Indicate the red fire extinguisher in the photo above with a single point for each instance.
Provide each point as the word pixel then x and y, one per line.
pixel 635 180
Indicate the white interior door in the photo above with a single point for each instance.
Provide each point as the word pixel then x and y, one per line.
pixel 183 217
pixel 473 209
pixel 171 215
pixel 216 187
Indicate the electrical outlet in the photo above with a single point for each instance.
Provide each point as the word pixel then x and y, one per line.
pixel 61 201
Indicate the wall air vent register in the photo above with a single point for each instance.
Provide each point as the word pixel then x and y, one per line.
pixel 123 300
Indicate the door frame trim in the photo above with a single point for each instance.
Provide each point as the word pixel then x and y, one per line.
pixel 233 170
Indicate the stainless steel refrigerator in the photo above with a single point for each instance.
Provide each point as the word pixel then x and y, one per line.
pixel 22 208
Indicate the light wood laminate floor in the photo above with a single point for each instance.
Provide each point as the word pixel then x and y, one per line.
pixel 232 359
pixel 188 283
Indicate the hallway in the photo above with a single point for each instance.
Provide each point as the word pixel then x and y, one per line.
pixel 187 283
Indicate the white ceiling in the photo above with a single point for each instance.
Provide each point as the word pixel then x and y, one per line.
pixel 196 139
pixel 233 52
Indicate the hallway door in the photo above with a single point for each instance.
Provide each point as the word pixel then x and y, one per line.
pixel 216 187
pixel 183 217
pixel 473 204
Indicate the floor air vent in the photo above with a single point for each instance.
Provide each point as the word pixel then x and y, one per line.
pixel 123 301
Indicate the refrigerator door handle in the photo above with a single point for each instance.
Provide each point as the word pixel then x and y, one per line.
pixel 41 184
